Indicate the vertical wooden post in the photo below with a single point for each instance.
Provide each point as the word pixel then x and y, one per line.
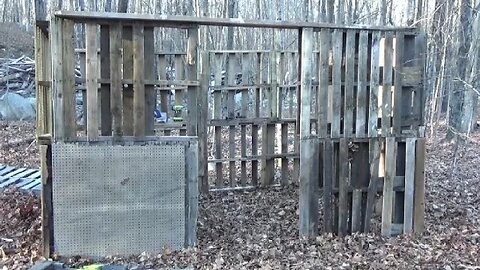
pixel 374 159
pixel 202 123
pixel 388 193
pixel 138 53
pixel 63 78
pixel 105 114
pixel 361 117
pixel 42 68
pixel 217 114
pixel 349 86
pixel 232 62
pixel 374 83
pixel 92 81
pixel 398 81
pixel 337 45
pixel 409 185
pixel 343 187
pixel 128 116
pixel 328 182
pixel 387 85
pixel 46 205
pixel 150 94
pixel 308 201
pixel 116 88
pixel 419 194
pixel 192 91
pixel 323 77
pixel 44 122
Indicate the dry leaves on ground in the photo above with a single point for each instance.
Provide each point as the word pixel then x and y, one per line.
pixel 259 229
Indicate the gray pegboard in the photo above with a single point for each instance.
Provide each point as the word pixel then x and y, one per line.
pixel 118 200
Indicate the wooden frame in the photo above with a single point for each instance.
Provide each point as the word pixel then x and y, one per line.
pixel 332 113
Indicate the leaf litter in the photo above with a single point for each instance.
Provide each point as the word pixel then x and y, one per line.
pixel 258 229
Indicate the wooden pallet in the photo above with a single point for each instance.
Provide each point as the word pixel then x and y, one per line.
pixel 22 178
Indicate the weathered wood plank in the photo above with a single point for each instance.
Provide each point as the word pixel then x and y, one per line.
pixel 343 183
pixel 254 152
pixel 138 53
pixel 116 100
pixel 217 114
pixel 46 202
pixel 308 201
pixel 387 85
pixel 68 69
pixel 409 185
pixel 105 110
pixel 185 21
pixel 337 83
pixel 374 158
pixel 419 193
pixel 192 91
pixel 323 75
pixel 357 210
pixel 202 124
pixel 150 93
pixel 388 193
pixel 268 148
pixel 128 110
pixel 284 150
pixel 246 60
pixel 57 78
pixel 420 96
pixel 232 172
pixel 328 182
pixel 243 153
pixel 350 56
pixel 374 85
pixel 191 175
pixel 232 64
pixel 361 117
pixel 91 77
pixel 398 110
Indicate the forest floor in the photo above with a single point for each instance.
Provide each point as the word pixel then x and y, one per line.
pixel 258 229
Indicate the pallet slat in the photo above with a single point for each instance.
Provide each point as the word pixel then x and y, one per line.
pixel 349 87
pixel 388 193
pixel 116 89
pixel 409 185
pixel 374 85
pixel 92 76
pixel 361 117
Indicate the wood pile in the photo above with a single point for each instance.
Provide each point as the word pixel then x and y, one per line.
pixel 17 75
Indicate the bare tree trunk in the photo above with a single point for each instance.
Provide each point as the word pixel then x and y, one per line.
pixel 122 6
pixel 232 12
pixel 340 18
pixel 459 118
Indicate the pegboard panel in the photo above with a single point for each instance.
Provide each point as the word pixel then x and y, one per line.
pixel 118 200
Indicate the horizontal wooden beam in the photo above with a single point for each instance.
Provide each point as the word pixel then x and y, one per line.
pixel 188 21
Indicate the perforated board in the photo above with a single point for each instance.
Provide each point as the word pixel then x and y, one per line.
pixel 118 200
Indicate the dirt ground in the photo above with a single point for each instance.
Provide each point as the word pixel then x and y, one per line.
pixel 258 229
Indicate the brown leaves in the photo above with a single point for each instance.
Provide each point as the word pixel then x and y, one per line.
pixel 20 230
pixel 259 229
pixel 16 144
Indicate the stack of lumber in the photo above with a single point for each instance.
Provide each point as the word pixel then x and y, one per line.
pixel 17 75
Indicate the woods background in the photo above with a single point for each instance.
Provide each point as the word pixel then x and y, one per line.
pixel 451 26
